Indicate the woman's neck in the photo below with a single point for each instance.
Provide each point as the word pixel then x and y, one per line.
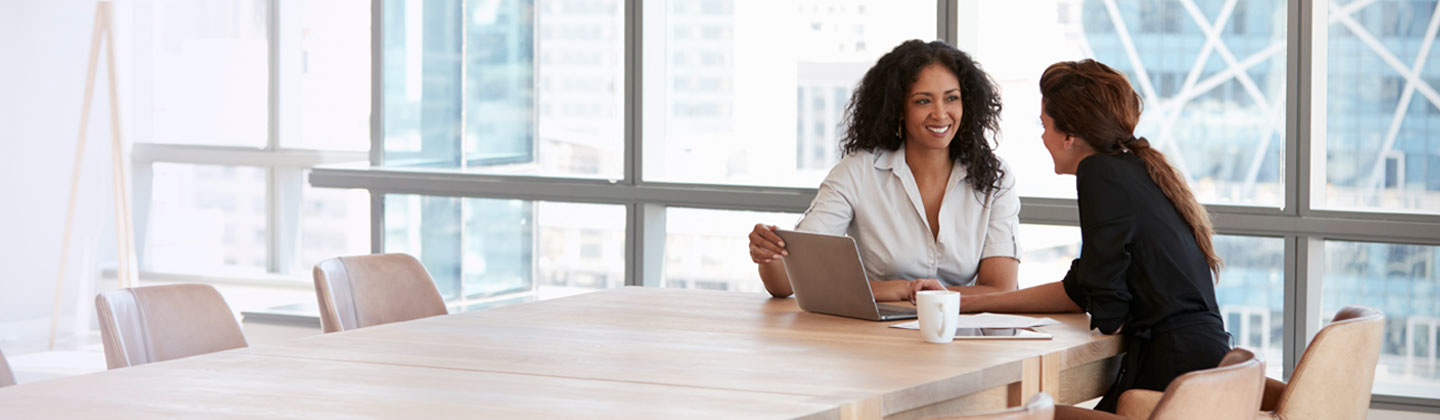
pixel 929 163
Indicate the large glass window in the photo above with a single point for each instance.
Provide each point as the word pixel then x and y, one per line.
pixel 486 252
pixel 506 86
pixel 1211 73
pixel 334 77
pixel 199 72
pixel 1403 282
pixel 1251 295
pixel 754 92
pixel 1047 253
pixel 709 249
pixel 1382 152
pixel 333 223
pixel 207 219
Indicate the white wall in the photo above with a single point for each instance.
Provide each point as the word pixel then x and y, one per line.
pixel 43 54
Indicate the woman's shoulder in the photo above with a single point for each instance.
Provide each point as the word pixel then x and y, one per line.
pixel 1104 164
pixel 857 162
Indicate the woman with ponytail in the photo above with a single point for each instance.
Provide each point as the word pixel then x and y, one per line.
pixel 1147 267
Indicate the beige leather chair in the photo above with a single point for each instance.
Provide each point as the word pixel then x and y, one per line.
pixel 1230 391
pixel 1334 376
pixel 151 324
pixel 1040 407
pixel 368 290
pixel 6 378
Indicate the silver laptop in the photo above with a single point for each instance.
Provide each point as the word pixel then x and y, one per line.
pixel 828 278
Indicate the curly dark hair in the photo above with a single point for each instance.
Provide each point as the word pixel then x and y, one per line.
pixel 878 103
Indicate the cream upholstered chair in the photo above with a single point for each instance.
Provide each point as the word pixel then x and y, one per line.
pixel 1230 391
pixel 1334 376
pixel 6 377
pixel 367 290
pixel 1040 407
pixel 151 324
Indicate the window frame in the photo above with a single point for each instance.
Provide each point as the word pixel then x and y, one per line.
pixel 1302 221
pixel 284 167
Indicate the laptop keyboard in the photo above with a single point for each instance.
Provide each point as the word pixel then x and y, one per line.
pixel 894 310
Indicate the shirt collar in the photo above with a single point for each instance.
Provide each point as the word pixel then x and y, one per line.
pixel 892 159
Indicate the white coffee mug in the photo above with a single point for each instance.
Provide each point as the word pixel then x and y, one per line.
pixel 939 312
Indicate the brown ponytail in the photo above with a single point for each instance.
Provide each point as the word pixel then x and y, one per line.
pixel 1094 102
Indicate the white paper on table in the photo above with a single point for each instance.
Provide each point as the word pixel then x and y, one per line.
pixel 989 320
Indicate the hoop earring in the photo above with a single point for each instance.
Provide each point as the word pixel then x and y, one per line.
pixel 900 130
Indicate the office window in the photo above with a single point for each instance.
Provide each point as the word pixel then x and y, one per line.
pixel 198 72
pixel 235 101
pixel 508 86
pixel 333 67
pixel 1250 293
pixel 1403 282
pixel 1216 109
pixel 744 131
pixel 1047 253
pixel 710 249
pixel 333 223
pixel 205 219
pixel 1382 132
pixel 487 252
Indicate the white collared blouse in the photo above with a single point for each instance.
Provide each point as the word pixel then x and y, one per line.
pixel 872 197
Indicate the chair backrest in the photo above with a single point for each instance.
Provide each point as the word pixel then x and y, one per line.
pixel 1334 376
pixel 151 324
pixel 1040 407
pixel 1230 391
pixel 367 290
pixel 6 377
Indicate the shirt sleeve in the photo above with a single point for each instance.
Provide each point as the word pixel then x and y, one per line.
pixel 1107 226
pixel 831 211
pixel 1001 235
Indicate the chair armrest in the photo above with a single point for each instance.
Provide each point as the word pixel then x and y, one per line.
pixel 1273 388
pixel 1138 403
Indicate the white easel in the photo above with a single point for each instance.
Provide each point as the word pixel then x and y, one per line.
pixel 124 225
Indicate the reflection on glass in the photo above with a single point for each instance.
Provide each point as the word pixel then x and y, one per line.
pixel 205 218
pixel 505 86
pixel 1401 281
pixel 489 252
pixel 708 249
pixel 1213 104
pixel 1383 147
pixel 421 49
pixel 754 92
pixel 199 72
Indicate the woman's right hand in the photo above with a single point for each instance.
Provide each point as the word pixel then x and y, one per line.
pixel 765 245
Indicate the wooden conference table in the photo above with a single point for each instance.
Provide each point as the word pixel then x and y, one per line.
pixel 623 353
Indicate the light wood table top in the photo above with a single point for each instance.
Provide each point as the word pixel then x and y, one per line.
pixel 624 353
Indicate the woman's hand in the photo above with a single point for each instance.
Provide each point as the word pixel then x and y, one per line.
pixel 765 245
pixel 898 290
pixel 923 284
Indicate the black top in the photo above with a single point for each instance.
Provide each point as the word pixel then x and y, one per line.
pixel 1139 264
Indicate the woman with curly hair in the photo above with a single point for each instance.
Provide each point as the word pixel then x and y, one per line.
pixel 1146 261
pixel 919 188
